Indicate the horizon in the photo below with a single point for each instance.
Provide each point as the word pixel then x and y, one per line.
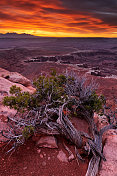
pixel 25 34
pixel 60 18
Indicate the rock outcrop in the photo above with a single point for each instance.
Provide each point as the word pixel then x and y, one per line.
pixel 4 91
pixel 15 77
pixel 8 79
pixel 108 167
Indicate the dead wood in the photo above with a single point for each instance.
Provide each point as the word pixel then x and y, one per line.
pixel 51 120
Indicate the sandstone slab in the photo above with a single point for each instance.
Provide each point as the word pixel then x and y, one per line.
pixel 18 78
pixel 15 77
pixel 109 167
pixel 6 84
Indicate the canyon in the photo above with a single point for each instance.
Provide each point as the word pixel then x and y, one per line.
pixel 23 60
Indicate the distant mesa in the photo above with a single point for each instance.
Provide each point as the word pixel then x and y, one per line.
pixel 16 35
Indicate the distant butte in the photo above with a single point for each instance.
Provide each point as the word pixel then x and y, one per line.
pixel 16 35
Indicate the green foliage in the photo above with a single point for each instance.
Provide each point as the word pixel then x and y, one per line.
pixel 52 86
pixel 28 131
pixel 15 90
pixel 20 101
pixel 48 89
pixel 94 102
pixel 52 90
pixel 53 72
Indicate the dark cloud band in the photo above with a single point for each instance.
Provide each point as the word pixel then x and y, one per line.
pixel 60 15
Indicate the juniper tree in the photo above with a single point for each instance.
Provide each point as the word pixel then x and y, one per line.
pixel 49 109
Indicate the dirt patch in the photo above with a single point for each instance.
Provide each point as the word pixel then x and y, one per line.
pixel 27 161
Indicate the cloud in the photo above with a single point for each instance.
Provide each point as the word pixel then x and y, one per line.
pixel 105 10
pixel 4 16
pixel 59 16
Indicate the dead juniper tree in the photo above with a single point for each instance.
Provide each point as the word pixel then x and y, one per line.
pixel 47 111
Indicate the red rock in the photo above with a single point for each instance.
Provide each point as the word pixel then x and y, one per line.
pixel 62 156
pixel 15 77
pixel 36 137
pixel 49 158
pixel 3 72
pixel 25 168
pixel 71 157
pixel 41 156
pixel 4 90
pixel 6 111
pixel 6 84
pixel 109 167
pixel 18 78
pixel 38 151
pixel 43 163
pixel 47 142
pixel 32 89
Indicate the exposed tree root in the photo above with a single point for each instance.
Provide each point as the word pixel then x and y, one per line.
pixel 49 118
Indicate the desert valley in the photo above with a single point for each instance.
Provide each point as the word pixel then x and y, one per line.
pixel 24 59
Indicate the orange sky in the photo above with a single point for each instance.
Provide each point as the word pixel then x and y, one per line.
pixel 59 18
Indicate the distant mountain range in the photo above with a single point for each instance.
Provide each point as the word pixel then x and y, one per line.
pixel 15 35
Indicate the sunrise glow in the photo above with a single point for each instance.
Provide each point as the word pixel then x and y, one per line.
pixel 59 18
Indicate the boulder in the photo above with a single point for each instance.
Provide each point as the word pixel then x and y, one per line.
pixel 14 77
pixel 62 156
pixel 109 167
pixel 47 142
pixel 6 84
pixel 18 78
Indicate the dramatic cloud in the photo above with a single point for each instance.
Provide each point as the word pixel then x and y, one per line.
pixel 80 18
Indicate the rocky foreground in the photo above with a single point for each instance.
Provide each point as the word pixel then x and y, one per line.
pixel 8 79
pixel 46 155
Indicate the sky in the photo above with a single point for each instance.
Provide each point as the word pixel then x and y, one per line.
pixel 59 18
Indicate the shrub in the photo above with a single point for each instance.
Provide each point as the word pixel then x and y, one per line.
pixel 94 102
pixel 47 111
pixel 55 90
pixel 27 131
pixel 48 89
